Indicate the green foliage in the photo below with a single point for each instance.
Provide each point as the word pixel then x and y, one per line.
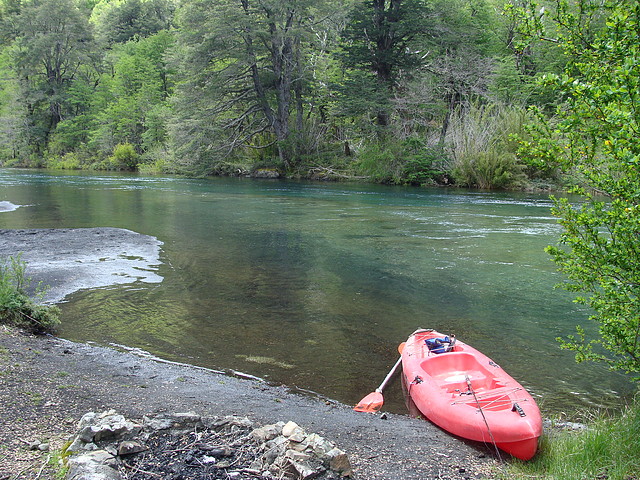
pixel 124 157
pixel 541 148
pixel 119 21
pixel 606 449
pixel 379 35
pixel 379 44
pixel 69 161
pixel 601 261
pixel 16 307
pixel 247 69
pixel 131 104
pixel 51 44
pixel 595 138
pixel 400 162
pixel 156 167
pixel 388 46
pixel 486 170
pixel 509 85
pixel 198 87
pixel 480 142
pixel 422 169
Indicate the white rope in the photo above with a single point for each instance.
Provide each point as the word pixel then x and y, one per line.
pixel 493 440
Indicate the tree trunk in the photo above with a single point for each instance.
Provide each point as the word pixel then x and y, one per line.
pixel 453 100
pixel 385 19
pixel 282 57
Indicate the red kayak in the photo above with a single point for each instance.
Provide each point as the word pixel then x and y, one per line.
pixel 467 394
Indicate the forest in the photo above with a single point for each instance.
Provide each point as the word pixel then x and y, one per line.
pixel 391 91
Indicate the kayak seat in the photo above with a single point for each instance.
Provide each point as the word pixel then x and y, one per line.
pixel 451 372
pixel 452 361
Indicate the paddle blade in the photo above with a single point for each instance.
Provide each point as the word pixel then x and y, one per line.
pixel 372 403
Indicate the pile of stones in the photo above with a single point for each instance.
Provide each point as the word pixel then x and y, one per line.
pixel 185 446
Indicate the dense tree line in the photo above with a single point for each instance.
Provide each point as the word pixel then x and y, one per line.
pixel 398 91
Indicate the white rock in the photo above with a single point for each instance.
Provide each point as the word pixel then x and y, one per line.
pixel 293 432
pixel 87 419
pixel 97 465
pixel 318 445
pixel 268 432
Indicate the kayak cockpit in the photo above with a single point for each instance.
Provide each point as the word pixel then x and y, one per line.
pixel 450 371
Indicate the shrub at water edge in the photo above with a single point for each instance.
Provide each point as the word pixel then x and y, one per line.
pixel 17 308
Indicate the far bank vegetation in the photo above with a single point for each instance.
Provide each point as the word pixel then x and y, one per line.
pixel 419 92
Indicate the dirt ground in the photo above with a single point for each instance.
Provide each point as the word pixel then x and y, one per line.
pixel 47 384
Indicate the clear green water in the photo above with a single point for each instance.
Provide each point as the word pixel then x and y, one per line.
pixel 315 284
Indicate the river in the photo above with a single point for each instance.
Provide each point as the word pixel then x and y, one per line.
pixel 314 285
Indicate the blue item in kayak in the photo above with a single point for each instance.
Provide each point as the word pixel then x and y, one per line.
pixel 438 345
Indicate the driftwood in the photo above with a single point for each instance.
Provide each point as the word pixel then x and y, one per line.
pixel 326 173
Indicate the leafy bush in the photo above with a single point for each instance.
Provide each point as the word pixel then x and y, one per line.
pixel 541 156
pixel 378 163
pixel 401 162
pixel 487 170
pixel 156 167
pixel 68 161
pixel 422 169
pixel 16 307
pixel 124 157
pixel 481 143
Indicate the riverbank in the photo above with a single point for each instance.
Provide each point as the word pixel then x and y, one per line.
pixel 48 384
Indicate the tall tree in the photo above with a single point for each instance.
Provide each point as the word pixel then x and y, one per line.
pixel 380 44
pixel 462 50
pixel 129 98
pixel 122 20
pixel 243 61
pixel 52 43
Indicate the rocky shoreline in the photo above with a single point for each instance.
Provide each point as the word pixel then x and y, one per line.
pixel 48 384
pixel 186 445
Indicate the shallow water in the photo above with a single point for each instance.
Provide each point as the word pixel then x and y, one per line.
pixel 315 284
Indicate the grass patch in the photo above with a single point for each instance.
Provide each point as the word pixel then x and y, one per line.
pixel 56 462
pixel 609 449
pixel 36 398
pixel 17 308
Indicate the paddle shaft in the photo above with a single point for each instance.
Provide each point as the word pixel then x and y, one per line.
pixel 389 375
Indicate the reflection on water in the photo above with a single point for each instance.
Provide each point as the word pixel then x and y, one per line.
pixel 314 285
